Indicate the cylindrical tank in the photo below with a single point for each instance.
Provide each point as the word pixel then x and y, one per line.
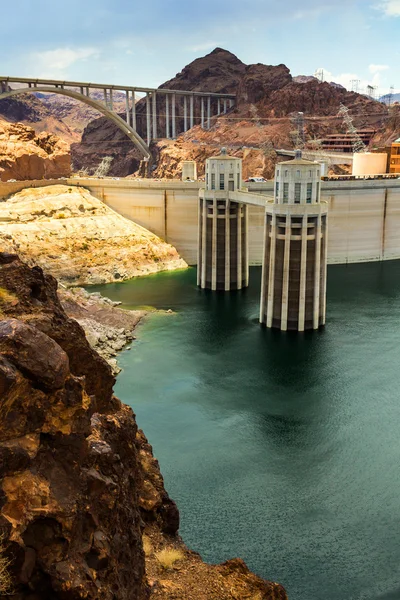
pixel 369 163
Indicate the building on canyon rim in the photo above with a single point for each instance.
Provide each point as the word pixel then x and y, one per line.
pixel 293 286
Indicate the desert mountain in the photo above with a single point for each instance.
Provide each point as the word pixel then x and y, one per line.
pixel 268 100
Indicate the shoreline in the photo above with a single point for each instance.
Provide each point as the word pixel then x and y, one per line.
pixel 108 328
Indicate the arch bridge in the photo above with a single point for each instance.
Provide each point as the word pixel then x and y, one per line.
pixel 198 107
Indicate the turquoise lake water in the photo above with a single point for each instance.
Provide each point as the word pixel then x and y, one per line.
pixel 282 449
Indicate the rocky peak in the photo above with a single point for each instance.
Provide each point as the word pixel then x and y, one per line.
pixel 218 71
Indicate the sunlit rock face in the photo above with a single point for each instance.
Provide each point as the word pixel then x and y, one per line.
pixel 27 155
pixel 78 239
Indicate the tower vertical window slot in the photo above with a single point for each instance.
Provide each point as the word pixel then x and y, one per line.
pixel 297 193
pixel 221 181
pixel 285 193
pixel 213 181
pixel 309 193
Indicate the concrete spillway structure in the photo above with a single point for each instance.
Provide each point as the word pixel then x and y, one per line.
pixel 223 258
pixel 293 288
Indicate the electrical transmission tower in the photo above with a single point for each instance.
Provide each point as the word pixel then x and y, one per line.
pixel 299 122
pixel 390 95
pixel 319 74
pixel 358 144
pixel 355 85
pixel 371 91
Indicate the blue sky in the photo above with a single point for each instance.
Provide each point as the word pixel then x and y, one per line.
pixel 146 43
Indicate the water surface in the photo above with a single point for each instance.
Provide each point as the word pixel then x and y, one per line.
pixel 279 448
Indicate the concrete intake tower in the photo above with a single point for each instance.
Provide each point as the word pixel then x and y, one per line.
pixel 293 288
pixel 223 262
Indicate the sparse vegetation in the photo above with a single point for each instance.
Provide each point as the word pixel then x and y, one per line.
pixel 168 557
pixel 7 297
pixel 147 545
pixel 5 577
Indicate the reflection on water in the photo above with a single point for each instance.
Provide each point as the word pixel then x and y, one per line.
pixel 279 448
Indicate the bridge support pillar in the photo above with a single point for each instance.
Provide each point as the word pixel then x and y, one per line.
pixel 219 106
pixel 191 111
pixel 173 107
pixel 167 116
pixel 224 105
pixel 185 119
pixel 128 110
pixel 148 118
pixel 208 112
pixel 133 110
pixel 202 112
pixel 154 97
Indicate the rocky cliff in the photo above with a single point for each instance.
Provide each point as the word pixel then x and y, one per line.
pixel 78 239
pixel 83 509
pixel 29 109
pixel 71 478
pixel 26 155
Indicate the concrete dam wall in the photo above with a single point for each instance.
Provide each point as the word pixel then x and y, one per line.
pixel 364 215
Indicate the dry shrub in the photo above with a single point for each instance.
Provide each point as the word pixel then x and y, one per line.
pixel 5 577
pixel 168 557
pixel 147 545
pixel 7 297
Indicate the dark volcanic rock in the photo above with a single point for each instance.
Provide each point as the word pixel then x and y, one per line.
pixel 259 81
pixel 220 71
pixel 315 98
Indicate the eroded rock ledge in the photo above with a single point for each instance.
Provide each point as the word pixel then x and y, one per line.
pixel 79 484
pixel 78 239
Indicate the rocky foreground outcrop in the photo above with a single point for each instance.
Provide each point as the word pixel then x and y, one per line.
pixel 78 239
pixel 27 155
pixel 71 479
pixel 80 489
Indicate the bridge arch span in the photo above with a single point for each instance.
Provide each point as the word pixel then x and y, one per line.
pixel 112 116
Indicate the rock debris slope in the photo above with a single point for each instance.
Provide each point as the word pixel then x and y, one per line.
pixel 78 239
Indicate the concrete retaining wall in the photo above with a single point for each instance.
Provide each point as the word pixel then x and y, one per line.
pixel 364 216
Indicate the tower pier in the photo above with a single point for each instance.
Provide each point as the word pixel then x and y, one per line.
pixel 222 228
pixel 293 288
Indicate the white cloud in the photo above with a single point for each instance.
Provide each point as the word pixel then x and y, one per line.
pixel 204 47
pixel 55 63
pixel 391 8
pixel 376 68
pixel 352 81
